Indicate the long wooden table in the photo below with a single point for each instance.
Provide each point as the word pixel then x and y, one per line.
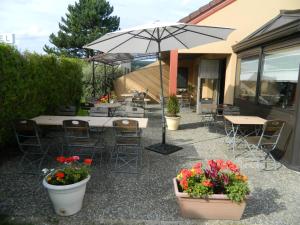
pixel 237 121
pixel 93 121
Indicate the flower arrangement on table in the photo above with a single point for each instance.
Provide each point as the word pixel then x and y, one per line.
pixel 218 177
pixel 103 99
pixel 71 172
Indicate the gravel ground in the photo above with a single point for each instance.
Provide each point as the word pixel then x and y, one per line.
pixel 148 197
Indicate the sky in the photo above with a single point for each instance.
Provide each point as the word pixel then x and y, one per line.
pixel 32 21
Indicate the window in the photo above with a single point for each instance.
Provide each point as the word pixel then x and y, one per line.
pixel 247 79
pixel 280 77
pixel 182 78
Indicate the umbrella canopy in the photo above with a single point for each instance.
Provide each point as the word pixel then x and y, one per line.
pixel 145 38
pixel 155 38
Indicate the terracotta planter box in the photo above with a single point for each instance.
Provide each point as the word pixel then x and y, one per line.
pixel 214 207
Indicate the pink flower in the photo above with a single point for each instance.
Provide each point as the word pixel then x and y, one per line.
pixel 75 158
pixel 197 165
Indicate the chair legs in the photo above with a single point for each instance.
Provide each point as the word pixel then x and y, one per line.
pixel 126 159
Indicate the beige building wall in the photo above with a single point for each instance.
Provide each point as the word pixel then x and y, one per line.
pixel 143 79
pixel 245 16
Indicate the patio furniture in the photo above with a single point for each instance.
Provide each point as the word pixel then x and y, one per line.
pixel 238 121
pixel 127 152
pixel 185 100
pixel 109 107
pixel 33 147
pixel 268 139
pixel 131 111
pixel 228 110
pixel 208 112
pixel 98 111
pixel 77 139
pixel 86 105
pixel 47 120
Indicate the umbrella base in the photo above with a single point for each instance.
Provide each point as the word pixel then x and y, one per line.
pixel 164 149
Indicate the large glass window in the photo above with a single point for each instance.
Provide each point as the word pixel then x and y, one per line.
pixel 247 79
pixel 279 78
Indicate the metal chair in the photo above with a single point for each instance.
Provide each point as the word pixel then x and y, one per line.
pixel 127 152
pixel 33 147
pixel 229 110
pixel 208 112
pixel 268 139
pixel 185 101
pixel 77 139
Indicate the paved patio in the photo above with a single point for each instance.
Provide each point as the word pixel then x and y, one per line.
pixel 148 198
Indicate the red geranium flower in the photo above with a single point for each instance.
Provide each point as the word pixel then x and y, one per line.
pixel 184 184
pixel 207 183
pixel 87 162
pixel 60 175
pixel 60 159
pixel 232 166
pixel 186 173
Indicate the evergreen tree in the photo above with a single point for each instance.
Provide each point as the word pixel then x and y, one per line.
pixel 85 21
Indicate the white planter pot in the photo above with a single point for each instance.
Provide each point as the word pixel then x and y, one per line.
pixel 173 122
pixel 67 199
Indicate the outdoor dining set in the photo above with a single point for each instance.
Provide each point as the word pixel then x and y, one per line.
pixel 80 135
pixel 254 132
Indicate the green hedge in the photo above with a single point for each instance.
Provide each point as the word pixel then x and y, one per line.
pixel 32 84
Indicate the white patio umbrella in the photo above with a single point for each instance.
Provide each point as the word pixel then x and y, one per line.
pixel 155 38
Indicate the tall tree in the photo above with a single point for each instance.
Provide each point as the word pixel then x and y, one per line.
pixel 85 21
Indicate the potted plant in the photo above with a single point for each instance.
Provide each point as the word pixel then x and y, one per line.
pixel 217 191
pixel 173 109
pixel 66 185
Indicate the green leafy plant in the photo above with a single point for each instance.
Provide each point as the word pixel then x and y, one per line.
pixel 33 84
pixel 218 177
pixel 71 172
pixel 173 107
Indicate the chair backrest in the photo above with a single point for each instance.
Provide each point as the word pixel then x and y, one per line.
pixel 75 129
pixel 208 108
pixel 271 133
pixel 231 110
pixel 131 111
pixel 26 129
pixel 126 128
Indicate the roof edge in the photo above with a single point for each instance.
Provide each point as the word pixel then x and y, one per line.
pixel 285 30
pixel 205 11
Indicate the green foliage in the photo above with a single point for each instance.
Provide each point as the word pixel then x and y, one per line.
pixel 32 84
pixel 103 84
pixel 237 190
pixel 72 174
pixel 85 21
pixel 196 189
pixel 173 106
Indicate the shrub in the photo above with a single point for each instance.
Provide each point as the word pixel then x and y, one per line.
pixel 173 106
pixel 33 84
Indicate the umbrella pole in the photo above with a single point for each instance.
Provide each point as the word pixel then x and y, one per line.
pixel 162 99
pixel 162 147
